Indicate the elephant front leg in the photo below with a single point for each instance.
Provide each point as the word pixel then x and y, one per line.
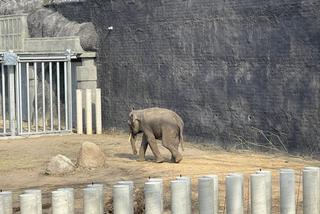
pixel 143 148
pixel 154 148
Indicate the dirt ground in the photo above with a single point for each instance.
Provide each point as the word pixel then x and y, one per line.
pixel 22 163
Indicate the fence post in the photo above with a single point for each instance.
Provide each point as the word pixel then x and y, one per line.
pixel 70 194
pixel 7 201
pixel 91 201
pixel 268 177
pixel 310 191
pixel 206 195
pixel 38 195
pixel 79 112
pixel 88 112
pixel 189 190
pixel 234 193
pixel 121 199
pixel 1 204
pixel 12 109
pixel 28 203
pixel 179 197
pixel 258 194
pixel 318 170
pixel 100 187
pixel 59 202
pixel 131 193
pixel 215 192
pixel 152 193
pixel 98 112
pixel 161 189
pixel 287 191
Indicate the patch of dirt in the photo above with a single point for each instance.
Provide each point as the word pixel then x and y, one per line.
pixel 23 161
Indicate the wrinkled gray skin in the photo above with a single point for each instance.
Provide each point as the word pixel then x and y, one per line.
pixel 156 124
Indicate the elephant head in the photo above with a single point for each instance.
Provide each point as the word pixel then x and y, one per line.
pixel 134 123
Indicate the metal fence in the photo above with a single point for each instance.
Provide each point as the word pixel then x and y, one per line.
pixel 36 95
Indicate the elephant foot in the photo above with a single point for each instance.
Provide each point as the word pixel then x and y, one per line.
pixel 178 159
pixel 140 159
pixel 160 160
pixel 173 160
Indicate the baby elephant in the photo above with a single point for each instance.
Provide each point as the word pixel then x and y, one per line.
pixel 156 124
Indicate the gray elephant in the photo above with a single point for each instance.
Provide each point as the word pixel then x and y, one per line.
pixel 156 124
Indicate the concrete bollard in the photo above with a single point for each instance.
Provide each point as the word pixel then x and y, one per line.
pixel 310 191
pixel 258 194
pixel 1 204
pixel 161 189
pixel 215 192
pixel 131 193
pixel 38 195
pixel 189 189
pixel 100 187
pixel 91 200
pixel 7 202
pixel 28 203
pixel 88 112
pixel 70 194
pixel 121 199
pixel 179 197
pixel 79 111
pixel 268 177
pixel 59 202
pixel 152 195
pixel 234 194
pixel 206 195
pixel 98 112
pixel 318 170
pixel 287 191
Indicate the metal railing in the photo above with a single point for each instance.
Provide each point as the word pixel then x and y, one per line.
pixel 36 95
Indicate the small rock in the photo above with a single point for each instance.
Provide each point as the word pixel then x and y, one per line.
pixel 90 156
pixel 59 165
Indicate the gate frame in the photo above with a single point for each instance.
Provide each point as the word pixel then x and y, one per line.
pixel 15 106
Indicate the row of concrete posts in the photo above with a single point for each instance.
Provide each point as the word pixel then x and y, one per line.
pixel 85 105
pixel 181 203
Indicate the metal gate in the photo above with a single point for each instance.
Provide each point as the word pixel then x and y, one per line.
pixel 36 94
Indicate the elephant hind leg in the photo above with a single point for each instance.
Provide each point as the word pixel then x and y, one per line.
pixel 169 143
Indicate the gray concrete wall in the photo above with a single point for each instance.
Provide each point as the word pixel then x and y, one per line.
pixel 236 71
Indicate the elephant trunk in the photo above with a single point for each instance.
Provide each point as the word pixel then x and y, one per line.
pixel 132 140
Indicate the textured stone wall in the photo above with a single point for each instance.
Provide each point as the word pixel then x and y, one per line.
pixel 237 71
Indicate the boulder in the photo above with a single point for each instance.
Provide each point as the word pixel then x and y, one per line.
pixel 59 165
pixel 90 156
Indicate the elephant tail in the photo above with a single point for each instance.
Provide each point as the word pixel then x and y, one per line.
pixel 180 134
pixel 180 126
pixel 181 140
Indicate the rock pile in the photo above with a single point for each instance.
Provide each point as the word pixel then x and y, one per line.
pixel 90 156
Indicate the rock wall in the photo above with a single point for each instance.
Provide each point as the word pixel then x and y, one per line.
pixel 239 72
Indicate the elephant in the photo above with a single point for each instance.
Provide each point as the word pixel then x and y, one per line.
pixel 156 124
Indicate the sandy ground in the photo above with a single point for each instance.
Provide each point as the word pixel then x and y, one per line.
pixel 22 163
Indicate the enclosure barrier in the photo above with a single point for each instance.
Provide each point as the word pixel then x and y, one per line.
pixel 268 185
pixel 88 103
pixel 123 195
pixel 35 94
pixel 287 191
